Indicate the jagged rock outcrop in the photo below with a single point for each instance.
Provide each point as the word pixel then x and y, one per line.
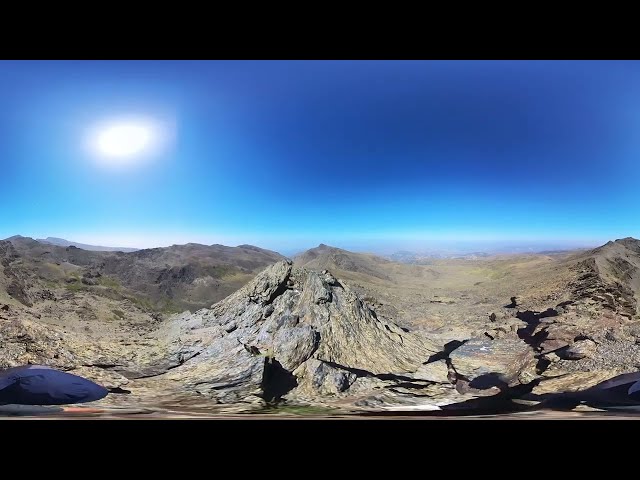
pixel 289 328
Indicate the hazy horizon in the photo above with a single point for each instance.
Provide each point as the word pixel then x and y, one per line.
pixel 378 156
pixel 442 247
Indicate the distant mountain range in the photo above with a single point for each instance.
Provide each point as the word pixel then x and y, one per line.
pixel 61 242
pixel 174 278
pixel 423 258
pixel 401 256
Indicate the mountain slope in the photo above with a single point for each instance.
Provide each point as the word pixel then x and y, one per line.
pixel 61 242
pixel 617 264
pixel 174 278
pixel 324 257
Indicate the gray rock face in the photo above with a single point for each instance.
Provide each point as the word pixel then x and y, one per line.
pixel 105 377
pixel 264 288
pixel 224 371
pixel 288 328
pixel 487 363
pixel 317 377
pixel 293 346
pixel 437 372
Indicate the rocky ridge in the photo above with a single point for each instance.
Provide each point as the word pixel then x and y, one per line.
pixel 165 280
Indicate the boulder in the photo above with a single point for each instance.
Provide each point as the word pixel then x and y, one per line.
pixel 437 372
pixel 292 346
pixel 572 381
pixel 319 378
pixel 579 350
pixel 486 363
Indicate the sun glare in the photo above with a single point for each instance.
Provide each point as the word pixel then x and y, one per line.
pixel 123 140
pixel 128 141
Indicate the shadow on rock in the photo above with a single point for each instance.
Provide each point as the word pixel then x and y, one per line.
pixel 489 380
pixel 276 381
pixel 448 348
pixel 513 303
pixel 533 319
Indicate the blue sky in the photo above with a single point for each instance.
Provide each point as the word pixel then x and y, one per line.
pixel 368 155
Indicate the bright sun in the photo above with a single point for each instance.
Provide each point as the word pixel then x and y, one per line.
pixel 124 140
pixel 129 141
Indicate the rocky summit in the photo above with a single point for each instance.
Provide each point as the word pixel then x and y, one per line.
pixel 290 333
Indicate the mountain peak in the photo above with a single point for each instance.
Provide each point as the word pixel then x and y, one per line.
pixel 627 240
pixel 289 319
pixel 325 247
pixel 618 244
pixel 325 257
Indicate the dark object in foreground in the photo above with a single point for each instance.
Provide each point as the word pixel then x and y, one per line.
pixel 29 410
pixel 40 385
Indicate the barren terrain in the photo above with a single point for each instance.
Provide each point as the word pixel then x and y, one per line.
pixel 332 333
